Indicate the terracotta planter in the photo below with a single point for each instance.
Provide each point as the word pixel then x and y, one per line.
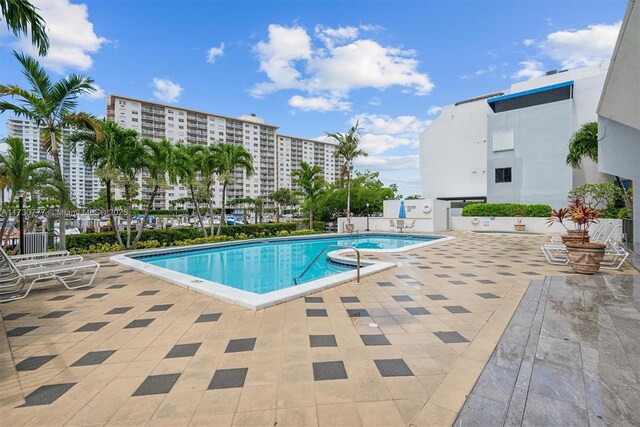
pixel 585 258
pixel 519 227
pixel 575 236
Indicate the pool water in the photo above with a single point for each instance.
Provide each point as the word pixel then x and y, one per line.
pixel 265 266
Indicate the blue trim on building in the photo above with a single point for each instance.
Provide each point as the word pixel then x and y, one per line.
pixel 529 92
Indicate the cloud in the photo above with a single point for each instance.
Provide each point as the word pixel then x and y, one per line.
pixel 579 48
pixel 71 35
pixel 318 104
pixel 375 101
pixel 333 63
pixel 166 90
pixel 98 93
pixel 383 124
pixel 529 70
pixel 215 52
pixel 374 144
pixel 488 70
pixel 381 163
pixel 528 42
pixel 434 110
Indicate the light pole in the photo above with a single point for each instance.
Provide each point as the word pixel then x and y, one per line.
pixel 367 216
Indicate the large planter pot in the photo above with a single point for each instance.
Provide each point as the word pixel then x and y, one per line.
pixel 575 236
pixel 519 227
pixel 585 257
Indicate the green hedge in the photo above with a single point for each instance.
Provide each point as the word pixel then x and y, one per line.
pixel 170 236
pixel 506 209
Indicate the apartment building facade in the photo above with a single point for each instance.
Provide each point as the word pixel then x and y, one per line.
pixel 275 156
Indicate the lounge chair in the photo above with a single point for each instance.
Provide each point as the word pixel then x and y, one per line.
pixel 410 225
pixel 392 224
pixel 17 278
pixel 38 260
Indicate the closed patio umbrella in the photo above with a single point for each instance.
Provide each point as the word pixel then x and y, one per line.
pixel 403 213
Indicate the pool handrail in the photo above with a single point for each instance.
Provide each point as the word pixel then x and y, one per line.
pixel 295 279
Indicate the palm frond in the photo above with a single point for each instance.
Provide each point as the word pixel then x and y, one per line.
pixel 22 19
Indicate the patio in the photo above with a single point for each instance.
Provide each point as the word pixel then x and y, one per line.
pixel 405 346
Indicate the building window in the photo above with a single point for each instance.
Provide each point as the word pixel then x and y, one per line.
pixel 503 141
pixel 503 175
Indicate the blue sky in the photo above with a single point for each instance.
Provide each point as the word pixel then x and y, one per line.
pixel 315 66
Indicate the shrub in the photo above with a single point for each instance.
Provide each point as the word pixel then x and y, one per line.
pixel 506 210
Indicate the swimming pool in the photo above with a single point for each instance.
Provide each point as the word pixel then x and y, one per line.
pixel 253 272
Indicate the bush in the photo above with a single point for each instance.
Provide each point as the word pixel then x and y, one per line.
pixel 318 226
pixel 506 210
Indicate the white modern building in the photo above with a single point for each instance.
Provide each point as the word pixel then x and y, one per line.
pixel 275 156
pixel 83 184
pixel 511 146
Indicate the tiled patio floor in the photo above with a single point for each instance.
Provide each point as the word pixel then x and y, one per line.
pixel 403 347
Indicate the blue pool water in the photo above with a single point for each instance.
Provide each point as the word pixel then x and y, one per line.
pixel 265 266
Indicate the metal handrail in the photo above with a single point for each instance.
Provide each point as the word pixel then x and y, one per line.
pixel 295 279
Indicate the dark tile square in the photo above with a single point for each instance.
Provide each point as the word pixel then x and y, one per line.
pixel 417 311
pixel 443 276
pixel 183 350
pixel 22 330
pixel 349 299
pixel 468 274
pixel 95 296
pixel 385 284
pixel 402 298
pixel 156 384
pixel 357 312
pixel 210 317
pixel 486 282
pixel 323 371
pixel 316 312
pixel 437 297
pixel 147 293
pixel 506 274
pixel 228 378
pixel 14 316
pixel 487 295
pixel 403 276
pixel 54 315
pixel 456 309
pixel 116 286
pixel 457 282
pixel 446 266
pixel 113 276
pixel 60 298
pixel 161 307
pixel 313 299
pixel 46 394
pixel 93 358
pixel 424 267
pixel 139 323
pixel 33 363
pixel 92 327
pixel 119 310
pixel 242 344
pixel 531 273
pixel 393 368
pixel 414 283
pixel 322 341
pixel 377 339
pixel 451 337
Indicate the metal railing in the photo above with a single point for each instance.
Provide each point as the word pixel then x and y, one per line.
pixel 295 280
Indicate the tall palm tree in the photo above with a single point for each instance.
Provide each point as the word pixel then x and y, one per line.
pixel 131 160
pixel 310 179
pixel 207 166
pixel 188 159
pixel 103 155
pixel 51 106
pixel 584 143
pixel 22 18
pixel 228 158
pixel 282 197
pixel 348 150
pixel 20 174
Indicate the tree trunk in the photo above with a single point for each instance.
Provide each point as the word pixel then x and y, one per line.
pixel 4 222
pixel 222 213
pixel 146 214
pixel 63 201
pixel 210 205
pixel 310 217
pixel 625 195
pixel 110 212
pixel 197 208
pixel 127 198
pixel 277 213
pixel 349 192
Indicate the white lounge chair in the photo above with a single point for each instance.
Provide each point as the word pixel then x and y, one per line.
pixel 410 225
pixel 392 224
pixel 38 260
pixel 17 279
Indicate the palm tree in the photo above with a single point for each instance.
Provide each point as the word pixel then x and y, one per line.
pixel 282 197
pixel 207 166
pixel 19 174
pixel 348 150
pixel 22 18
pixel 229 157
pixel 51 106
pixel 584 143
pixel 130 161
pixel 103 155
pixel 187 162
pixel 310 179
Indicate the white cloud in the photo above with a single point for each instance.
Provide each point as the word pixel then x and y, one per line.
pixel 166 90
pixel 215 52
pixel 71 35
pixel 578 48
pixel 98 93
pixel 434 110
pixel 337 65
pixel 380 163
pixel 529 70
pixel 375 101
pixel 528 42
pixel 374 144
pixel 383 124
pixel 318 104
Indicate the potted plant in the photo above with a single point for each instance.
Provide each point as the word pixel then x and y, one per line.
pixel 584 256
pixel 519 226
pixel 562 215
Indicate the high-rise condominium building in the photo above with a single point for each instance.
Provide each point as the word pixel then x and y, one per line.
pixel 275 156
pixel 83 184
